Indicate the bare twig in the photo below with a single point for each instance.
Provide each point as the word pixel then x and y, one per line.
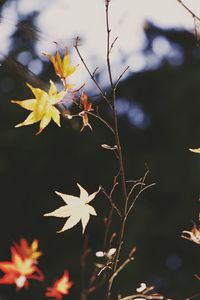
pixel 113 43
pixel 111 214
pixel 142 296
pixel 102 120
pixel 92 114
pixel 122 74
pixel 193 297
pixel 122 266
pixel 119 156
pixel 112 203
pixel 133 188
pixel 92 75
pixel 137 196
pixel 108 45
pixel 195 18
pixel 189 10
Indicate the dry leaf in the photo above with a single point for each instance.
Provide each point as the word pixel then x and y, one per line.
pixel 62 67
pixel 76 208
pixel 197 150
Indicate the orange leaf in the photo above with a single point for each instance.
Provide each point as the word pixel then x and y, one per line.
pixel 87 106
pixel 60 287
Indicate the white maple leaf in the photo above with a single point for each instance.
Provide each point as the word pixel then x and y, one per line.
pixel 76 208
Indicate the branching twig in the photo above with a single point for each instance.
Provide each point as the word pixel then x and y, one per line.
pixel 189 10
pixel 113 43
pixel 112 203
pixel 133 188
pixel 108 45
pixel 122 74
pixel 111 214
pixel 92 76
pixel 195 18
pixel 142 296
pixel 102 120
pixel 120 159
pixel 137 196
pixel 92 114
pixel 122 266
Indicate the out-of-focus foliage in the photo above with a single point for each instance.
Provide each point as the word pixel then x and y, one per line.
pixel 23 265
pixel 61 287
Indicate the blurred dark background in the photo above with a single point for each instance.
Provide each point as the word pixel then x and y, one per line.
pixel 159 121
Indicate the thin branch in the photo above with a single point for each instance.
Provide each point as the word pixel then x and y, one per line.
pixel 193 297
pixel 141 182
pixel 112 203
pixel 108 45
pixel 134 181
pixel 122 266
pixel 102 120
pixel 108 227
pixel 110 215
pixel 93 286
pixel 119 156
pixel 92 76
pixel 140 192
pixel 113 188
pixel 142 296
pixel 113 43
pixel 122 74
pixel 92 114
pixel 189 10
pixel 133 188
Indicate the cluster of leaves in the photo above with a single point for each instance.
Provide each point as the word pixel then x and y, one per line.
pixel 24 267
pixel 43 106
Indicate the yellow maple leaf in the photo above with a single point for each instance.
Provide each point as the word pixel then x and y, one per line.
pixel 76 208
pixel 197 150
pixel 42 106
pixel 62 67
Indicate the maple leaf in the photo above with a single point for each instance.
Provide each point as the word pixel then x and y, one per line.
pixel 60 287
pixel 19 270
pixel 193 235
pixel 62 67
pixel 26 251
pixel 87 106
pixel 76 208
pixel 197 150
pixel 42 107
